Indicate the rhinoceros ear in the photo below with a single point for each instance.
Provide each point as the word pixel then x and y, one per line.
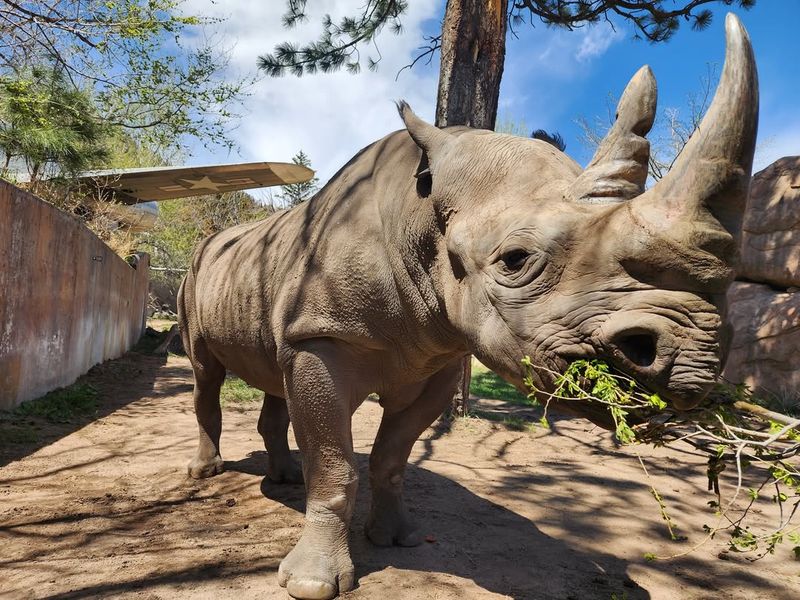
pixel 429 138
pixel 426 136
pixel 618 170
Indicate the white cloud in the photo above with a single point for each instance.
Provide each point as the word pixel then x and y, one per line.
pixel 596 40
pixel 543 65
pixel 329 116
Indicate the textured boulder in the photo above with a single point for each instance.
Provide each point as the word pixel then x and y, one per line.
pixel 771 231
pixel 765 351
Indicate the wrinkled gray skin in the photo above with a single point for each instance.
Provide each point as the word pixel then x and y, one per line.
pixel 431 244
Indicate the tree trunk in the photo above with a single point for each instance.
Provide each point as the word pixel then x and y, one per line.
pixel 459 407
pixel 473 53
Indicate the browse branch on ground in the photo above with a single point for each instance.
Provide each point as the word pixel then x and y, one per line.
pixel 731 427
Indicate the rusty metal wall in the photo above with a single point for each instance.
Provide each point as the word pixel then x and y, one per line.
pixel 67 301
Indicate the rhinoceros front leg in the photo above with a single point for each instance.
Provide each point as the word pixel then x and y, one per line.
pixel 318 396
pixel 389 522
pixel 273 425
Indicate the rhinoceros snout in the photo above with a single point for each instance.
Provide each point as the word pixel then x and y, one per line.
pixel 650 348
pixel 643 344
pixel 638 347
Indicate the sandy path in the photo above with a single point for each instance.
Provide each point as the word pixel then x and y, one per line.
pixel 107 511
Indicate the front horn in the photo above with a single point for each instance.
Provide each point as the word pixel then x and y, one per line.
pixel 709 182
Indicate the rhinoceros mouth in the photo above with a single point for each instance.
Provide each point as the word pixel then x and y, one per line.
pixel 686 393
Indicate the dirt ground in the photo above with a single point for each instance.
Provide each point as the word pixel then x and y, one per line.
pixel 104 509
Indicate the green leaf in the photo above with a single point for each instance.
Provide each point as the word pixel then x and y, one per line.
pixel 656 402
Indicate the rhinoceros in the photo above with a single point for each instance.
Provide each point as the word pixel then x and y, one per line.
pixel 431 244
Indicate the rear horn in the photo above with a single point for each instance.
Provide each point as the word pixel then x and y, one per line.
pixel 618 170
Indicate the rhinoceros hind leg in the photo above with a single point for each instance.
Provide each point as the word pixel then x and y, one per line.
pixel 209 374
pixel 389 522
pixel 273 424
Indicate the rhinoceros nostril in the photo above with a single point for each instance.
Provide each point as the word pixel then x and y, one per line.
pixel 639 348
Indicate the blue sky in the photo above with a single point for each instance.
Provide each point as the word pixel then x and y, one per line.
pixel 551 78
pixel 552 99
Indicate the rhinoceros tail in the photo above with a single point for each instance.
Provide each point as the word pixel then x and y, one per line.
pixel 183 315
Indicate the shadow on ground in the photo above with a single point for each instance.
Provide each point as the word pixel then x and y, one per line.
pixel 110 512
pixel 138 370
pixel 503 552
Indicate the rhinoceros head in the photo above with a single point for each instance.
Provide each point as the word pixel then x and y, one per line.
pixel 554 262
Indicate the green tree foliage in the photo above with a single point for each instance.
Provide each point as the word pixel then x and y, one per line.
pixel 338 46
pixel 653 20
pixel 295 193
pixel 128 152
pixel 506 124
pixel 130 54
pixel 49 124
pixel 183 223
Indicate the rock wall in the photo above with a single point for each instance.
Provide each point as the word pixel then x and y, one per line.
pixel 765 351
pixel 67 301
pixel 764 307
pixel 771 230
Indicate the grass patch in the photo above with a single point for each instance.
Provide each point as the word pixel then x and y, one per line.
pixel 62 405
pixel 788 404
pixel 13 433
pixel 510 422
pixel 65 405
pixel 236 391
pixel 486 384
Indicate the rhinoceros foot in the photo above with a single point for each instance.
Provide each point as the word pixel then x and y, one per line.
pixel 392 528
pixel 317 568
pixel 201 468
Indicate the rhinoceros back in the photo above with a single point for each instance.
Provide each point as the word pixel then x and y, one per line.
pixel 321 269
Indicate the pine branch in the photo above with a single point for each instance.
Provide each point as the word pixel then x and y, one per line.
pixel 338 45
pixel 651 18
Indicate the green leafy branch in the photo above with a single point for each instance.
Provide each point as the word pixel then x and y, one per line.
pixel 129 56
pixel 729 427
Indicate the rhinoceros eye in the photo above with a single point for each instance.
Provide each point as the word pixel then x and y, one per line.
pixel 514 260
pixel 518 266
